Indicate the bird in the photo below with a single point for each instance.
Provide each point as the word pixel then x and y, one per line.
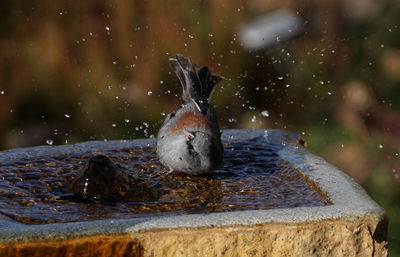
pixel 189 139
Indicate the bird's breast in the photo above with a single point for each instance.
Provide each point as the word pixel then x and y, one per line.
pixel 190 119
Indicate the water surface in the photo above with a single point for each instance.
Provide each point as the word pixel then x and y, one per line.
pixel 253 177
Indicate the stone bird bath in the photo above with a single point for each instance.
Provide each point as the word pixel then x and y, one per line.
pixel 272 197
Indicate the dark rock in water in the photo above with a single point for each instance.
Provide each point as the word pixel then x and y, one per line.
pixel 102 180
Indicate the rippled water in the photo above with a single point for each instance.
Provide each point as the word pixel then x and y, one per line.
pixel 252 177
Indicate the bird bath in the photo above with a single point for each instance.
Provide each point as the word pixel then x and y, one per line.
pixel 269 189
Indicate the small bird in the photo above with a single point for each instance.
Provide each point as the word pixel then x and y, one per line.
pixel 189 139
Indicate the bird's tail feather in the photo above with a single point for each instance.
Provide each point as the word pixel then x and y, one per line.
pixel 197 84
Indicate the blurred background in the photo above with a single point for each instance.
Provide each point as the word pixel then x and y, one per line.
pixel 98 70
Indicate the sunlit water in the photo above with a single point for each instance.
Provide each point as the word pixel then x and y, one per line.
pixel 252 177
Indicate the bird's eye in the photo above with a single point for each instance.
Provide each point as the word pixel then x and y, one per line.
pixel 172 115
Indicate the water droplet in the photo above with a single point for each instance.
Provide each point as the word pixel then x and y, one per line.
pixel 380 146
pixel 163 114
pixel 265 113
pixel 109 87
pixel 191 36
pixel 2 92
pixel 115 62
pixel 254 119
pixel 210 35
pixel 126 120
pixel 280 78
pixel 85 186
pixel 67 115
pixel 149 93
pixel 161 82
pixel 113 125
pixel 107 28
pixel 49 142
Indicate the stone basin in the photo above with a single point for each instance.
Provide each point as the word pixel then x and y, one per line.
pixel 346 221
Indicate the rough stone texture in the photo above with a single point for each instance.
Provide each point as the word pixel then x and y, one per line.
pixel 327 238
pixel 122 245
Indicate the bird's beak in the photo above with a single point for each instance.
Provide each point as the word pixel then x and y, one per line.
pixel 188 135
